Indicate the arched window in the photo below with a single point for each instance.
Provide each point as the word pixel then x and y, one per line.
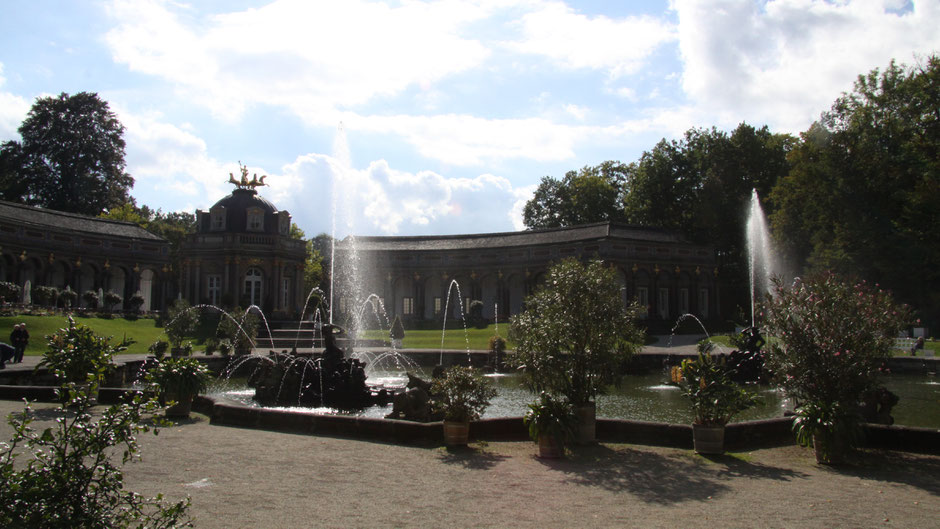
pixel 253 284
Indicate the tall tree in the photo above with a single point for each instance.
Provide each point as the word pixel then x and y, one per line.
pixel 71 157
pixel 592 194
pixel 866 181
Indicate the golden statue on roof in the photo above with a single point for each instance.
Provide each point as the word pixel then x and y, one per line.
pixel 244 183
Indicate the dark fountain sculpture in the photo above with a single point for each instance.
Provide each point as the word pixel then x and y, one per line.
pixel 332 380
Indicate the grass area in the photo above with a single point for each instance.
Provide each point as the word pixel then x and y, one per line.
pixel 934 345
pixel 143 331
pixel 454 338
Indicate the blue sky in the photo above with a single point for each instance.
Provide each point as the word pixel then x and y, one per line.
pixel 451 111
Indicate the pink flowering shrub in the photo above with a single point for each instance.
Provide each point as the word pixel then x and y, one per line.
pixel 831 338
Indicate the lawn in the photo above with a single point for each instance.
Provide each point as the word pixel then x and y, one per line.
pixel 454 338
pixel 143 331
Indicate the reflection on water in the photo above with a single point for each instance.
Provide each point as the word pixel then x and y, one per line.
pixel 643 398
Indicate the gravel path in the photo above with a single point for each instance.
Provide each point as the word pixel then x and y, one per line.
pixel 239 478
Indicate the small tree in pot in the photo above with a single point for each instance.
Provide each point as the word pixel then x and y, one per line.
pixel 181 320
pixel 552 423
pixel 462 395
pixel 715 398
pixel 179 380
pixel 575 336
pixel 76 355
pixel 111 299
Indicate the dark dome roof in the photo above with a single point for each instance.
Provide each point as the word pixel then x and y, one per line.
pixel 236 211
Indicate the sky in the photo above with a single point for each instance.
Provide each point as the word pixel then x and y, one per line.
pixel 433 117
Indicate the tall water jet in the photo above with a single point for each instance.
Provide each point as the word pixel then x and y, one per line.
pixel 344 211
pixel 762 262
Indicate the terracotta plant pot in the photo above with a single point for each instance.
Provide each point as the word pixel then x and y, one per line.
pixel 828 455
pixel 708 439
pixel 456 433
pixel 182 408
pixel 550 448
pixel 586 432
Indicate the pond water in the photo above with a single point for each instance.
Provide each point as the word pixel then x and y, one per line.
pixel 644 398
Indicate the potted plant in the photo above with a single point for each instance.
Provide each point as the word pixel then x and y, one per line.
pixel 136 301
pixel 552 423
pixel 240 329
pixel 181 320
pixel 575 336
pixel 714 397
pixel 830 340
pixel 158 349
pixel 828 429
pixel 68 297
pixel 225 347
pixel 91 299
pixel 111 299
pixel 178 380
pixel 462 395
pixel 212 345
pixel 76 355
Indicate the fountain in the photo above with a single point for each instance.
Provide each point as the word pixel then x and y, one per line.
pixel 762 263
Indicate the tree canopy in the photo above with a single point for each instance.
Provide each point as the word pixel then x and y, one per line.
pixel 71 157
pixel 593 194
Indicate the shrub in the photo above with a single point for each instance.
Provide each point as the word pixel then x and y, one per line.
pixel 832 338
pixel 179 376
pixel 90 297
pixel 397 331
pixel 240 328
pixel 575 334
pixel 552 417
pixel 158 348
pixel 715 398
pixel 68 297
pixel 43 295
pixel 111 299
pixel 181 320
pixel 135 302
pixel 71 478
pixel 462 394
pixel 9 292
pixel 76 354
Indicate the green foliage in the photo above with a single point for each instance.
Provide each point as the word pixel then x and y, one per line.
pixel 159 348
pixel 178 377
pixel 77 354
pixel 462 394
pixel 111 299
pixel 592 194
pixel 830 428
pixel 862 195
pixel 9 292
pixel 135 302
pixel 831 338
pixel 68 297
pixel 71 157
pixel 714 397
pixel 43 295
pixel 497 345
pixel 90 297
pixel 240 330
pixel 551 416
pixel 575 334
pixel 181 320
pixel 475 315
pixel 72 476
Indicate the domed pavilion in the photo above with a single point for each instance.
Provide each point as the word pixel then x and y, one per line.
pixel 242 253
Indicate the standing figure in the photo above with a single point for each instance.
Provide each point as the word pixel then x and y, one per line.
pixel 24 341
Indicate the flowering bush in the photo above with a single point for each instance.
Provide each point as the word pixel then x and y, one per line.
pixel 832 337
pixel 715 398
pixel 77 354
pixel 179 377
pixel 462 394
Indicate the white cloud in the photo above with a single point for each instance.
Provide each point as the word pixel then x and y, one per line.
pixel 300 54
pixel 382 200
pixel 618 46
pixel 13 110
pixel 787 61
